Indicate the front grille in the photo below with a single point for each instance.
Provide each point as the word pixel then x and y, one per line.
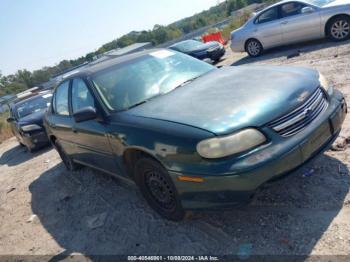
pixel 295 121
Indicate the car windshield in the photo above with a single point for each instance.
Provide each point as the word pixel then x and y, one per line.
pixel 33 105
pixel 128 84
pixel 320 3
pixel 187 45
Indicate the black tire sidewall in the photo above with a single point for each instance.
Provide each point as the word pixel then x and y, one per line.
pixel 67 160
pixel 329 27
pixel 261 48
pixel 141 166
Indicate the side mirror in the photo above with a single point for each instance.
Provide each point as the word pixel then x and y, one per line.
pixel 307 10
pixel 85 114
pixel 10 120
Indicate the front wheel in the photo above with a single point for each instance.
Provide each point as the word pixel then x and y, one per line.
pixel 254 48
pixel 338 28
pixel 158 189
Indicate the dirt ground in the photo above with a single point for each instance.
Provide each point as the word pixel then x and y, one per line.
pixel 45 210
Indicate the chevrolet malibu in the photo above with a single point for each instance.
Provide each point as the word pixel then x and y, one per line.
pixel 290 22
pixel 188 134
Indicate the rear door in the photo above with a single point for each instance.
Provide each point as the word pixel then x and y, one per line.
pixel 268 28
pixel 297 26
pixel 90 137
pixel 61 122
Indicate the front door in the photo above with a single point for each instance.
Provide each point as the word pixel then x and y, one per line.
pixel 297 26
pixel 92 145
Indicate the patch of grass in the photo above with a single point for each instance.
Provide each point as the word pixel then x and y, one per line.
pixel 5 130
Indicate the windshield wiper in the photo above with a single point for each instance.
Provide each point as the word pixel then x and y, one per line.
pixel 187 81
pixel 137 104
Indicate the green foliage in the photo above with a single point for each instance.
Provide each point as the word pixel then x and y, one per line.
pixel 237 22
pixel 5 131
pixel 23 79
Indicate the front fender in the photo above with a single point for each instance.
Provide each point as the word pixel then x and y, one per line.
pixel 172 144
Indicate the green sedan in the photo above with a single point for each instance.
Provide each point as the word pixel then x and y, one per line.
pixel 188 134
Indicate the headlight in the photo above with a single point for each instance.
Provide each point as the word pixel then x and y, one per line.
pixel 29 128
pixel 325 84
pixel 232 144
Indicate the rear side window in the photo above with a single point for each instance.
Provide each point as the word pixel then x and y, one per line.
pixel 291 9
pixel 81 95
pixel 60 105
pixel 268 16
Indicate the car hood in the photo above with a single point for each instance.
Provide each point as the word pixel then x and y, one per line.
pixel 232 98
pixel 338 3
pixel 203 47
pixel 35 118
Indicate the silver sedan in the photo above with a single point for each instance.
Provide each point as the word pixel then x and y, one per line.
pixel 290 22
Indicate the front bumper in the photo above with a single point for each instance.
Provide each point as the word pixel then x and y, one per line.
pixel 274 161
pixel 237 46
pixel 216 54
pixel 35 140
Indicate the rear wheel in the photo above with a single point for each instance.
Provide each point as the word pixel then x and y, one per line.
pixel 66 159
pixel 29 149
pixel 338 29
pixel 254 48
pixel 158 189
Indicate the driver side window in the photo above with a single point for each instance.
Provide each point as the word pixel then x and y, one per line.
pixel 291 9
pixel 81 95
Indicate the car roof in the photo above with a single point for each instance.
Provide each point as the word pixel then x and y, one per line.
pixel 188 40
pixel 18 102
pixel 281 2
pixel 96 66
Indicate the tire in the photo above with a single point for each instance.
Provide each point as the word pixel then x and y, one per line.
pixel 217 60
pixel 338 28
pixel 158 189
pixel 254 48
pixel 30 150
pixel 66 159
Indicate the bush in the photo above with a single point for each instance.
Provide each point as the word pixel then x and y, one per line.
pixel 5 130
pixel 237 22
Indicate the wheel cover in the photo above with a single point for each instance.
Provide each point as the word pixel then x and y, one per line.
pixel 160 190
pixel 254 48
pixel 340 29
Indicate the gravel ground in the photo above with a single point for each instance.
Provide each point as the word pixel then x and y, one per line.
pixel 45 210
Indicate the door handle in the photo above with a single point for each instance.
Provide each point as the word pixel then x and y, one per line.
pixel 75 131
pixel 284 22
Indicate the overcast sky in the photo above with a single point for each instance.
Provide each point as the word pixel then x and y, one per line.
pixel 37 33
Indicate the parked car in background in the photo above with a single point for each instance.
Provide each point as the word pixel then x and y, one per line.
pixel 211 50
pixel 290 22
pixel 26 120
pixel 189 134
pixel 5 101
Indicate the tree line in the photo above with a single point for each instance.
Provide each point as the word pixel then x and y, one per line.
pixel 24 79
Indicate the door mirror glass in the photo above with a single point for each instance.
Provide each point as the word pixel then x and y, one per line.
pixel 10 120
pixel 307 10
pixel 85 114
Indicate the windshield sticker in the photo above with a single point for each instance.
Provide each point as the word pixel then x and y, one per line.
pixel 47 96
pixel 162 54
